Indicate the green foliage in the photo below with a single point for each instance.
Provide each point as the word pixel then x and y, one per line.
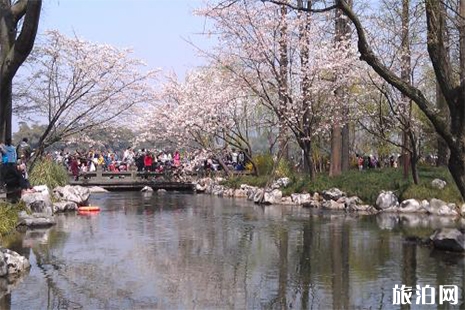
pixel 424 190
pixel 284 169
pixel 8 217
pixel 236 181
pixel 49 173
pixel 264 164
pixel 368 184
pixel 33 133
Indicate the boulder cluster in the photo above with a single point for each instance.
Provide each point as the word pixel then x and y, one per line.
pixel 387 206
pixel 42 204
pixel 332 199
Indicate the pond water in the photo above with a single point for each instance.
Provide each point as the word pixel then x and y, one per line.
pixel 184 251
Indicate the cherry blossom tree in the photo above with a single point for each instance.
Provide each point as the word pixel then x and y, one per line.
pixel 289 61
pixel 76 86
pixel 450 76
pixel 209 111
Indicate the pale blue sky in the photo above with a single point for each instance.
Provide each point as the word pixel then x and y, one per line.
pixel 155 29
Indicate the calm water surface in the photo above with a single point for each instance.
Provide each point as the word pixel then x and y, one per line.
pixel 183 251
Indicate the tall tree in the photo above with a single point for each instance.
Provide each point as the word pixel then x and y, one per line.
pixel 405 75
pixel 78 86
pixel 283 84
pixel 14 49
pixel 452 88
pixel 340 129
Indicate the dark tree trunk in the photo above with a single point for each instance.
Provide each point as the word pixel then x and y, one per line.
pixel 308 167
pixel 345 156
pixel 283 86
pixel 14 50
pixel 335 168
pixel 443 149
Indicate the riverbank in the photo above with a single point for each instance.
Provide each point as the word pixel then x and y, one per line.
pixel 367 184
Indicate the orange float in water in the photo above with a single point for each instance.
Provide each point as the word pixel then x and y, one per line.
pixel 89 209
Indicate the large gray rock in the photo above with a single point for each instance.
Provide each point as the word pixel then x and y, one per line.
pixel 64 206
pixel 77 194
pixel 10 282
pixel 439 207
pixel 387 201
pixel 240 193
pixel 42 189
pixel 12 263
pixel 35 220
pixel 228 192
pixel 258 196
pixel 217 190
pixel 200 188
pixel 361 208
pixel 205 185
pixel 280 183
pixel 301 199
pixel 38 202
pixel 351 202
pixel 449 239
pixel 333 194
pixel 147 189
pixel 333 205
pixel 287 200
pixel 97 189
pixel 272 197
pixel 411 206
pixel 438 183
pixel 250 190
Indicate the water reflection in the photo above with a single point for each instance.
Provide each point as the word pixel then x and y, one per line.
pixel 194 251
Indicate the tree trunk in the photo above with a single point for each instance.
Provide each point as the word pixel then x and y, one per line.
pixel 336 151
pixel 345 155
pixel 14 50
pixel 308 168
pixel 343 31
pixel 283 86
pixel 405 75
pixel 443 149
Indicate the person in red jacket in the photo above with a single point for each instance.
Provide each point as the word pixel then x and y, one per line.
pixel 75 168
pixel 148 161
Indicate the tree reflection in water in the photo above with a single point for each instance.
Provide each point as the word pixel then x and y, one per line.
pixel 196 251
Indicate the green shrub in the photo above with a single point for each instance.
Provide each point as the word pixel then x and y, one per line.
pixel 8 216
pixel 47 172
pixel 284 169
pixel 367 184
pixel 264 164
pixel 236 181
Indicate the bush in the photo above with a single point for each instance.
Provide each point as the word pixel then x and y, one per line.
pixel 236 181
pixel 50 173
pixel 264 163
pixel 8 216
pixel 367 184
pixel 284 169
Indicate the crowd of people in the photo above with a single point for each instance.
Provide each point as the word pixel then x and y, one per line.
pixel 79 162
pixel 145 160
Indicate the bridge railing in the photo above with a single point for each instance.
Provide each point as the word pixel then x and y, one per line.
pixel 101 176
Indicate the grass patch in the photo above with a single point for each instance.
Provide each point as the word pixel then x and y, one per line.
pixel 368 184
pixel 236 181
pixel 8 216
pixel 47 172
